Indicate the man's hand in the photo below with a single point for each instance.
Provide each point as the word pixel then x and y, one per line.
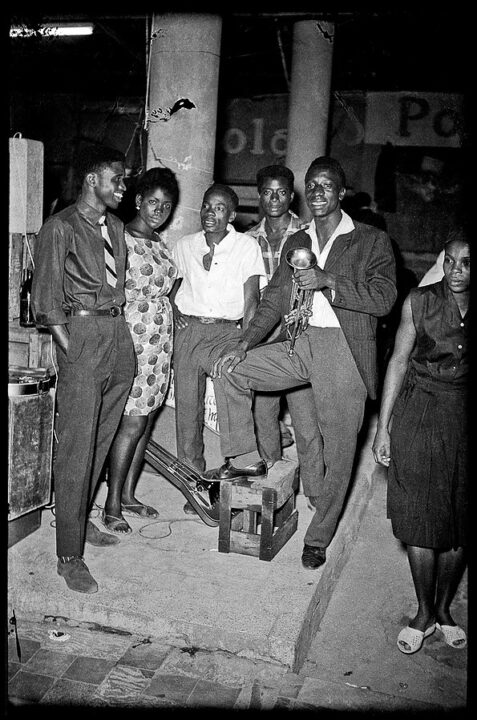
pixel 231 358
pixel 313 279
pixel 291 317
pixel 180 321
pixel 61 336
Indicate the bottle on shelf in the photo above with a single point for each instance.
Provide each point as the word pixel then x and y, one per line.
pixel 26 314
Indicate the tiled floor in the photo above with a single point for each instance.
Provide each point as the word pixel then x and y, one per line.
pixel 84 667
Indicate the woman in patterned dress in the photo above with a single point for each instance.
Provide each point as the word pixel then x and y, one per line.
pixel 422 437
pixel 150 274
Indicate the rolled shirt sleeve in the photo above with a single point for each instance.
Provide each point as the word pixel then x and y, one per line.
pixel 47 294
pixel 253 263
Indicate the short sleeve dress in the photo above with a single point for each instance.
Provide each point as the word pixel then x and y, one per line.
pixel 150 275
pixel 427 499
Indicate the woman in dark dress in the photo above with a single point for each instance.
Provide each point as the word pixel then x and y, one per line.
pixel 422 437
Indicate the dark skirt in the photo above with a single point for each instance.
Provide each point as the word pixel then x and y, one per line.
pixel 427 477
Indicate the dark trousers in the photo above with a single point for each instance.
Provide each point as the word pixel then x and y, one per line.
pixel 323 358
pixel 195 348
pixel 301 404
pixel 94 379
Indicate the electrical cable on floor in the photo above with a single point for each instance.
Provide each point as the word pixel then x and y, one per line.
pixel 140 532
pixel 169 522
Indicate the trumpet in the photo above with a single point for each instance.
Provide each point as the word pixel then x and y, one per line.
pixel 301 301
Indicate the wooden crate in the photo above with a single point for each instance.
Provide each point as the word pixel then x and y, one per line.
pixel 257 517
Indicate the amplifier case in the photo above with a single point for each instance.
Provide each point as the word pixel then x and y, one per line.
pixel 30 445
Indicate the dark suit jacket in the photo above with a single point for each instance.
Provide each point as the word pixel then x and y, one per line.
pixel 364 266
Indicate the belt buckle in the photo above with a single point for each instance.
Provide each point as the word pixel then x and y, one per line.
pixel 115 311
pixel 207 321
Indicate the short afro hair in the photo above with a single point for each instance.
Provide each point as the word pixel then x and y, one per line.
pixel 327 163
pixel 458 234
pixel 158 177
pixel 275 172
pixel 93 158
pixel 218 187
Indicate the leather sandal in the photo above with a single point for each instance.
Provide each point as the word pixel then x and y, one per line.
pixel 142 511
pixel 112 523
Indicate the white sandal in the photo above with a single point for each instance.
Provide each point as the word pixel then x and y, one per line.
pixel 413 638
pixel 454 635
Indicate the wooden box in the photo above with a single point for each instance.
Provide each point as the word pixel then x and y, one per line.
pixel 266 517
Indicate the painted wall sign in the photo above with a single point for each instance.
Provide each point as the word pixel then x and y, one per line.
pixel 255 135
pixel 414 118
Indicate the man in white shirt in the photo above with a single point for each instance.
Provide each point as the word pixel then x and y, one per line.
pixel 353 284
pixel 220 273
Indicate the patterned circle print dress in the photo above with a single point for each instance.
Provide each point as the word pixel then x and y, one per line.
pixel 150 275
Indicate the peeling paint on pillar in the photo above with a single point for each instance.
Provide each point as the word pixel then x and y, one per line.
pixel 164 114
pixel 185 54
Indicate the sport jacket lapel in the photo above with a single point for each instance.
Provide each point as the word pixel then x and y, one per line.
pixel 340 245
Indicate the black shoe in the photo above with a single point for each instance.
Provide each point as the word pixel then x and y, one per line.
pixel 76 574
pixel 227 471
pixel 313 557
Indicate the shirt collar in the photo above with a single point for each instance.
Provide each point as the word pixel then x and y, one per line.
pixel 259 229
pixel 345 225
pixel 90 213
pixel 230 230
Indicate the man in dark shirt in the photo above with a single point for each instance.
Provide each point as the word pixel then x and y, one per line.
pixel 82 306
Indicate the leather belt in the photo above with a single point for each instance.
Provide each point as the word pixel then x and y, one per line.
pixel 212 320
pixel 113 312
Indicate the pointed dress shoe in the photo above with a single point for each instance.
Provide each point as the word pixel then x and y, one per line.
pixel 313 557
pixel 228 471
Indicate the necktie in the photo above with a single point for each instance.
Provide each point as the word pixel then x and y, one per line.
pixel 111 276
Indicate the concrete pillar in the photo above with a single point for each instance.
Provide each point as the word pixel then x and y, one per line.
pixel 182 108
pixel 312 56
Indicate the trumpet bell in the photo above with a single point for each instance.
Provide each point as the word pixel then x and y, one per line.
pixel 301 258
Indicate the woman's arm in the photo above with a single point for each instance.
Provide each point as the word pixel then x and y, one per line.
pixel 404 343
pixel 179 320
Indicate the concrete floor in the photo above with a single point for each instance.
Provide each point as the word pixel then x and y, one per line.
pixel 282 636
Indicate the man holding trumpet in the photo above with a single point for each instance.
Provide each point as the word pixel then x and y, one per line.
pixel 342 286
